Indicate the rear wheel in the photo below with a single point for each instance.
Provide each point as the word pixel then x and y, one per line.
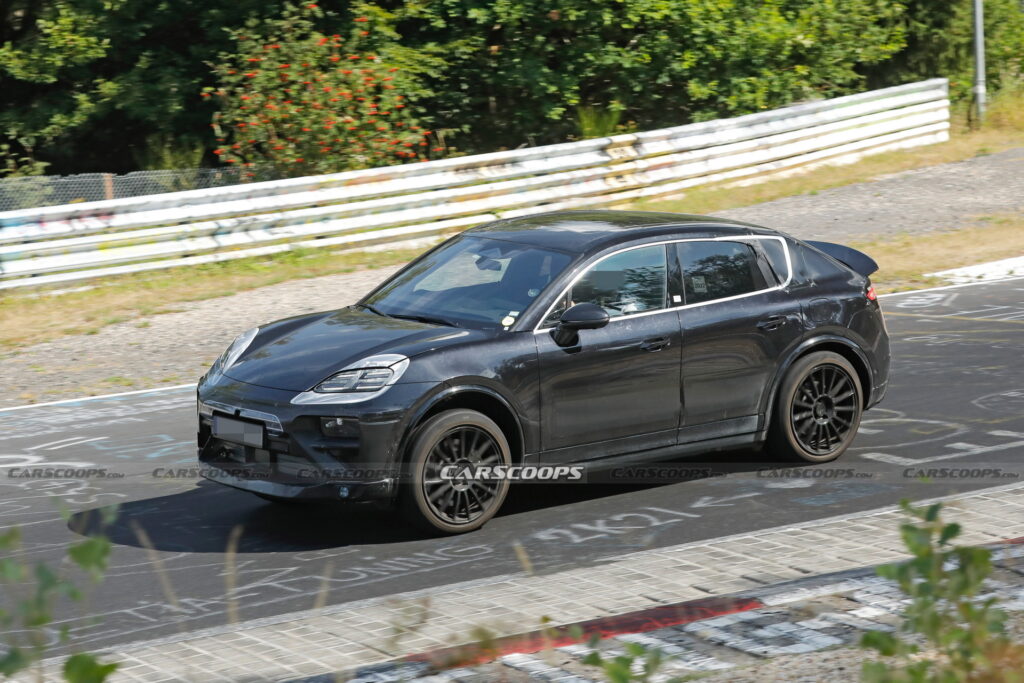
pixel 452 506
pixel 818 409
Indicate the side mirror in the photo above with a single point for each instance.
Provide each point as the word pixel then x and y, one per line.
pixel 585 316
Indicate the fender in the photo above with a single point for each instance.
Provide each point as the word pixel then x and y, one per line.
pixel 800 350
pixel 414 416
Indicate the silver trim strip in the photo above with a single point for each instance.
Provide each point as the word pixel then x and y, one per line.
pixel 732 238
pixel 272 422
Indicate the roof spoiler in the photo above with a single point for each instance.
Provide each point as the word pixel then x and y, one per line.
pixel 855 260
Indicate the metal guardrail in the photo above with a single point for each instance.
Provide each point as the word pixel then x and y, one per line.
pixel 71 242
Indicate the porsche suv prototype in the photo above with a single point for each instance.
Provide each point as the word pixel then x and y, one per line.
pixel 590 337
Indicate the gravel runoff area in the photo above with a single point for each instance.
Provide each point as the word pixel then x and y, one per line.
pixel 176 348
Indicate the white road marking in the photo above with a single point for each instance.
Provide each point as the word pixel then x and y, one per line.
pixel 73 442
pixel 96 398
pixel 712 502
pixel 960 450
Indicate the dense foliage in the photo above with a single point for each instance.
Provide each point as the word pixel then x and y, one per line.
pixel 115 85
pixel 302 102
pixel 940 43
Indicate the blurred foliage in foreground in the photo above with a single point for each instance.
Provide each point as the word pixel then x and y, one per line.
pixel 952 632
pixel 102 85
pixel 32 594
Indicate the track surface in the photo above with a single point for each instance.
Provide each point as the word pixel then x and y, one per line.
pixel 957 401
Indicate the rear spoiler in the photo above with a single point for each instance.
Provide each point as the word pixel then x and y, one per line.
pixel 855 260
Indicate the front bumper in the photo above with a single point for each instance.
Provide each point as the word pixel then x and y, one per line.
pixel 296 460
pixel 355 491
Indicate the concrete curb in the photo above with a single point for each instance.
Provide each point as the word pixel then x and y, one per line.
pixel 427 665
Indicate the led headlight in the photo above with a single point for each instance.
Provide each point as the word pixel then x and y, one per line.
pixel 360 381
pixel 367 379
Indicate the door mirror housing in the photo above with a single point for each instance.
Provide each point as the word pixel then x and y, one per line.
pixel 584 316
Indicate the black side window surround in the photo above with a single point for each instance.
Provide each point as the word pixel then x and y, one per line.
pixel 719 269
pixel 631 281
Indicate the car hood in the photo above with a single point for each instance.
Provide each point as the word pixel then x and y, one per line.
pixel 298 353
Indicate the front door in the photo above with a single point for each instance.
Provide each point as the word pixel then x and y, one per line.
pixel 617 390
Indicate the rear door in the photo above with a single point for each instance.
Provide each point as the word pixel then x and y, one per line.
pixel 737 323
pixel 618 390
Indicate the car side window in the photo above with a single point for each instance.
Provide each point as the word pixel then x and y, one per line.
pixel 720 269
pixel 629 282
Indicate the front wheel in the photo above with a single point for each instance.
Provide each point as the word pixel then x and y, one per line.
pixel 818 409
pixel 463 438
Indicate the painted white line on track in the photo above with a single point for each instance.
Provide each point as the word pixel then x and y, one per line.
pixel 185 386
pixel 95 398
pixel 965 284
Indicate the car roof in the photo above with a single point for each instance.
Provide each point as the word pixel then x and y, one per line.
pixel 582 232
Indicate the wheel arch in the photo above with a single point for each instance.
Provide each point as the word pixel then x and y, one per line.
pixel 841 345
pixel 472 397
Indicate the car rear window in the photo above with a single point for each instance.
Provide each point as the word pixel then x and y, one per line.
pixel 719 269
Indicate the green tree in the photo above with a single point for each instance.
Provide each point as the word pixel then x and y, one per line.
pixel 516 71
pixel 307 102
pixel 940 42
pixel 85 83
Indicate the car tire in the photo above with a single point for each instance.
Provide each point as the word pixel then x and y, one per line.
pixel 449 507
pixel 817 410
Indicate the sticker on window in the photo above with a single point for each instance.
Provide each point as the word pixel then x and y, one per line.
pixel 698 284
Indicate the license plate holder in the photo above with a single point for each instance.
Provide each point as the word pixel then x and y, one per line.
pixel 239 431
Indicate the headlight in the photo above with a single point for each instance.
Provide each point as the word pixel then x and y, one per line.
pixel 237 348
pixel 360 381
pixel 369 379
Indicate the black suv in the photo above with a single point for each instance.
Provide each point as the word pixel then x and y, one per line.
pixel 570 337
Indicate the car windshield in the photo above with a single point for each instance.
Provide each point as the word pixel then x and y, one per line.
pixel 470 282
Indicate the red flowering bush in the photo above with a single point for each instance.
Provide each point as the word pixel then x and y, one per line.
pixel 303 102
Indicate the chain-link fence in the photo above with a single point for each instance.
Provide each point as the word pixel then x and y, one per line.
pixel 50 190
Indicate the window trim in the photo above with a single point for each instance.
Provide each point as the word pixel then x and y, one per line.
pixel 731 238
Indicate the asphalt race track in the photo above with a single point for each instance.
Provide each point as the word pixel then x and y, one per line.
pixel 956 403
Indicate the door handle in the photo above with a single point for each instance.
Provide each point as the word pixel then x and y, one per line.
pixel 771 323
pixel 656 344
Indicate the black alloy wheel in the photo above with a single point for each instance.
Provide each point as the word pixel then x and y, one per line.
pixel 823 409
pixel 461 500
pixel 458 440
pixel 817 410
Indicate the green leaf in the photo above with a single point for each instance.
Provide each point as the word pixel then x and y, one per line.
pixel 86 668
pixel 92 555
pixel 949 532
pixel 13 661
pixel 884 643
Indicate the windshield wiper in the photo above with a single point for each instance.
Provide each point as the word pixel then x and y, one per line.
pixel 427 319
pixel 371 309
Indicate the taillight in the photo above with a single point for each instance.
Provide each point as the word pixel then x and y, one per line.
pixel 870 293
